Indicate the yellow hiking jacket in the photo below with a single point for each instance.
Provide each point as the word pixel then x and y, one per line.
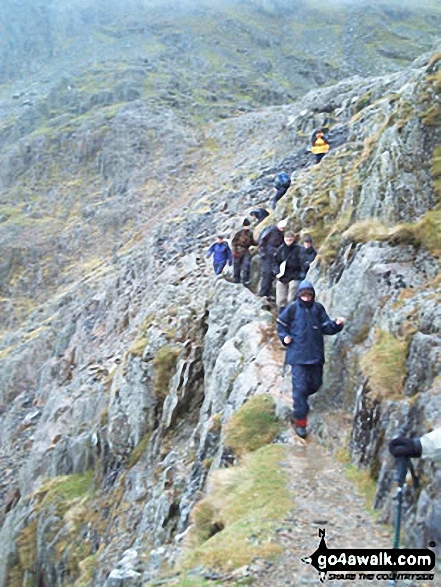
pixel 320 145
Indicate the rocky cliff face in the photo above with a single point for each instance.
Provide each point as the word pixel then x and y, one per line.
pixel 117 390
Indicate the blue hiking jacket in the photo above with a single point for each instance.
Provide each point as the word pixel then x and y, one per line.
pixel 306 327
pixel 222 253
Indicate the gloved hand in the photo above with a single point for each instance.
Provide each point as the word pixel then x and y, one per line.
pixel 405 447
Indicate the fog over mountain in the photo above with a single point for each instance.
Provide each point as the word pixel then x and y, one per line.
pixel 145 416
pixel 73 33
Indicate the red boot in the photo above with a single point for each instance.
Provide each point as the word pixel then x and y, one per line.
pixel 300 428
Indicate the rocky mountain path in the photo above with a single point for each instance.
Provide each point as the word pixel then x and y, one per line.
pixel 323 498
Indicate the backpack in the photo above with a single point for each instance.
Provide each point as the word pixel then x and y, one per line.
pixel 282 180
pixel 262 236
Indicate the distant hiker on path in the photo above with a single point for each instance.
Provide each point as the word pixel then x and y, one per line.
pixel 308 254
pixel 259 214
pixel 301 327
pixel 269 241
pixel 241 243
pixel 221 254
pixel 427 446
pixel 282 183
pixel 288 259
pixel 320 145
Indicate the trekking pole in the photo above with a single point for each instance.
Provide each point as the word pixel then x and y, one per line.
pixel 400 477
pixel 402 466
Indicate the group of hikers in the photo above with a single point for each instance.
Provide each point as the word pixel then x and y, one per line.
pixel 282 258
pixel 302 321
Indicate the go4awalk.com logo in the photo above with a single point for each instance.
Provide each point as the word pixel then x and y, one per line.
pixel 381 564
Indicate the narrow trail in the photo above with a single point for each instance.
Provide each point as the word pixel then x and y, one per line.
pixel 323 498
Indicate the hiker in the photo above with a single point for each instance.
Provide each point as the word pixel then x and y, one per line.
pixel 427 446
pixel 288 259
pixel 259 214
pixel 282 182
pixel 308 254
pixel 221 254
pixel 269 241
pixel 320 145
pixel 241 243
pixel 301 327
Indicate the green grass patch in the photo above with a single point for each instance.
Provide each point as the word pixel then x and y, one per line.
pixel 138 346
pixel 428 231
pixel 254 425
pixel 141 341
pixel 165 365
pixel 66 489
pixel 69 495
pixel 367 231
pixel 235 523
pixel 385 365
pixel 425 232
pixel 87 569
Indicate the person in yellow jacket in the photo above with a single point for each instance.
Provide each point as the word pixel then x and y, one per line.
pixel 319 145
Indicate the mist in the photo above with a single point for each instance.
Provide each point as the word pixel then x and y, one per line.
pixel 70 34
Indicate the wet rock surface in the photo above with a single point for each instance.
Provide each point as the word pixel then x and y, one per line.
pixel 134 370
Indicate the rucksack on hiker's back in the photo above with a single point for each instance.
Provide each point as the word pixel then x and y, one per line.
pixel 282 180
pixel 265 232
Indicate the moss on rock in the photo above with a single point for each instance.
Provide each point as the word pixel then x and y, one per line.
pixel 165 364
pixel 235 522
pixel 385 365
pixel 254 425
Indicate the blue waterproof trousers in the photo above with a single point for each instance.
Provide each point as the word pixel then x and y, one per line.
pixel 306 380
pixel 219 267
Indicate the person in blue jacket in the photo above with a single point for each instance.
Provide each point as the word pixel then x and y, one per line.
pixel 221 254
pixel 301 327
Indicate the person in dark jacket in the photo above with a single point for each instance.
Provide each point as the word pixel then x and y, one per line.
pixel 269 241
pixel 289 261
pixel 241 243
pixel 301 327
pixel 308 254
pixel 221 254
pixel 282 183
pixel 259 214
pixel 427 446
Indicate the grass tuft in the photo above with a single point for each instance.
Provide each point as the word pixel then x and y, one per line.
pixel 385 365
pixel 165 364
pixel 254 425
pixel 241 512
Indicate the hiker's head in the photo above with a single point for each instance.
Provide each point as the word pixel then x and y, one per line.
pixel 246 224
pixel 307 241
pixel 289 237
pixel 219 238
pixel 282 224
pixel 306 292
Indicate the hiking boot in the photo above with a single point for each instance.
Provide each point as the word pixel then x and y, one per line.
pixel 301 431
pixel 300 428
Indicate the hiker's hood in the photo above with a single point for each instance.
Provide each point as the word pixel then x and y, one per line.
pixel 305 285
